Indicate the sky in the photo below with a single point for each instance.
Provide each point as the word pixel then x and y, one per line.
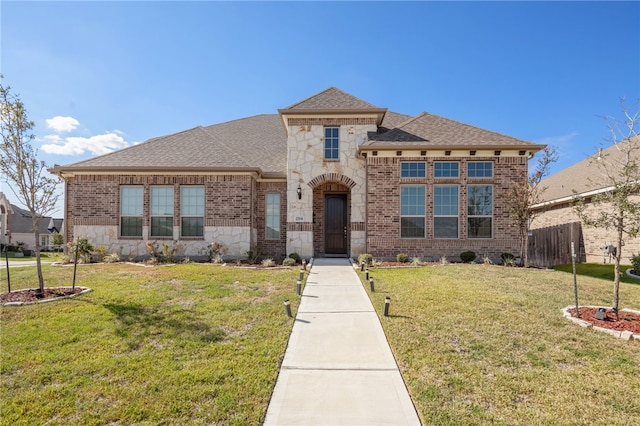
pixel 100 76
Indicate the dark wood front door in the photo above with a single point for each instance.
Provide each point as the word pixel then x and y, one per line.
pixel 335 216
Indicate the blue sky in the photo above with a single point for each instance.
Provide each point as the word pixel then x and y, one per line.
pixel 98 76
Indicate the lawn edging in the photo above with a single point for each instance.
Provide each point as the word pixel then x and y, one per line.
pixel 52 299
pixel 626 335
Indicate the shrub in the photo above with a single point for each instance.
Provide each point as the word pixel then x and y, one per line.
pixel 415 261
pixel 635 261
pixel 268 262
pixel 365 257
pixel 402 257
pixel 112 258
pixel 253 254
pixel 296 257
pixel 468 256
pixel 443 260
pixel 83 248
pixel 289 261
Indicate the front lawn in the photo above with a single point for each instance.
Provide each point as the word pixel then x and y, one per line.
pixel 183 344
pixel 483 344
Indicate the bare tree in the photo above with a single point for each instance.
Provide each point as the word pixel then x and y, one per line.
pixel 616 206
pixel 525 193
pixel 26 175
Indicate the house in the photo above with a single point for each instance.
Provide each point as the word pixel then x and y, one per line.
pixel 583 180
pixel 331 175
pixel 16 226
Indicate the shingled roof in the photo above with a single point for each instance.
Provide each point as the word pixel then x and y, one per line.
pixel 435 132
pixel 587 176
pixel 257 143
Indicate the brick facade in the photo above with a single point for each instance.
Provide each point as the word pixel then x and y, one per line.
pixel 383 209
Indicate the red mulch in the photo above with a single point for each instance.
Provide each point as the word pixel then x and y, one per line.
pixel 29 295
pixel 628 321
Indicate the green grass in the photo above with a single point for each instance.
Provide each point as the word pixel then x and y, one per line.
pixel 488 345
pixel 183 344
pixel 599 270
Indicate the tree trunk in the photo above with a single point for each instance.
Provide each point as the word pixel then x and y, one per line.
pixel 616 269
pixel 36 234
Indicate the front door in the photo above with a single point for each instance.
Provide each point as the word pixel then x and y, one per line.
pixel 335 216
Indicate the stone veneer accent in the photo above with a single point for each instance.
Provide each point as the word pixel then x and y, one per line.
pixel 308 169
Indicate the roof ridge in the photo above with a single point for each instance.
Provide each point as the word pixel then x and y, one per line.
pixel 313 96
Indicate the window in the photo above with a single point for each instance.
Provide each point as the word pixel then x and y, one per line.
pixel 273 216
pixel 192 211
pixel 445 211
pixel 162 211
pixel 442 169
pixel 480 169
pixel 331 137
pixel 413 170
pixel 412 211
pixel 131 200
pixel 479 211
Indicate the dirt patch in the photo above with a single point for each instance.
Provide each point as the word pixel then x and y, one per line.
pixel 628 321
pixel 29 295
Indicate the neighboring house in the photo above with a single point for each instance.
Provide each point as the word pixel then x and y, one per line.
pixel 17 226
pixel 583 179
pixel 331 175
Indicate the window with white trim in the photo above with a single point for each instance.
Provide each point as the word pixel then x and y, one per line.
pixel 480 169
pixel 479 211
pixel 446 169
pixel 331 143
pixel 161 201
pixel 131 202
pixel 192 211
pixel 445 211
pixel 272 216
pixel 413 169
pixel 412 211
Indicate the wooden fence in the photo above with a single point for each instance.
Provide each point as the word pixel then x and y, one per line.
pixel 552 245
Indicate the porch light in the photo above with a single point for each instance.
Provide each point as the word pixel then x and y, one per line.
pixel 299 191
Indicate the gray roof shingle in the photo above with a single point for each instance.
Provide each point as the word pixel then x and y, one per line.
pixel 430 130
pixel 331 98
pixel 587 175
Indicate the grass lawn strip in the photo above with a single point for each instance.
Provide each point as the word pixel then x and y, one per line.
pixel 195 344
pixel 483 344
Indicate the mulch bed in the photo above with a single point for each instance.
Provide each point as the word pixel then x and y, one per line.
pixel 628 321
pixel 29 295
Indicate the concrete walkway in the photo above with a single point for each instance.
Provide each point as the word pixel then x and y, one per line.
pixel 338 368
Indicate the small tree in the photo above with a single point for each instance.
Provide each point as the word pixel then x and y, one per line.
pixel 19 164
pixel 527 192
pixel 613 207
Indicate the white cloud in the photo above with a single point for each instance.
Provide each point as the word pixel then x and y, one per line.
pixel 61 124
pixel 75 145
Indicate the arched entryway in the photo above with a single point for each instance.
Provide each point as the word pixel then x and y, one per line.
pixel 331 215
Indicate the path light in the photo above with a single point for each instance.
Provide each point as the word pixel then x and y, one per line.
pixel 304 264
pixel 287 307
pixel 299 287
pixel 362 266
pixel 387 302
pixel 601 314
pixel 366 274
pixel 371 285
pixel 301 275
